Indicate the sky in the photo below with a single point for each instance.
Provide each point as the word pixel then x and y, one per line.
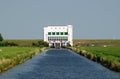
pixel 91 19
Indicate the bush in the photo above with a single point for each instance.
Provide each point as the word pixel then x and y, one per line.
pixel 4 43
pixel 40 44
pixel 35 44
pixel 1 38
pixel 43 44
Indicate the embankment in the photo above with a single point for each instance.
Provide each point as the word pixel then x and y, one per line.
pixel 109 61
pixel 9 60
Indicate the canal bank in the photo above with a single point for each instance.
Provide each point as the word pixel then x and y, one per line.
pixel 12 56
pixel 59 64
pixel 107 59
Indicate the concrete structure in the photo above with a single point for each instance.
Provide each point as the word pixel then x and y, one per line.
pixel 58 36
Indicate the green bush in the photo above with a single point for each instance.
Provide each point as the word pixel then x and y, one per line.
pixel 40 44
pixel 5 43
pixel 1 38
pixel 43 44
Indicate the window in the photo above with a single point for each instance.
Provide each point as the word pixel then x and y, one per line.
pixel 53 33
pixel 61 33
pixel 57 33
pixel 66 33
pixel 49 33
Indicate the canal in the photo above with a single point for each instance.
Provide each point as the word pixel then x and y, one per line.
pixel 59 64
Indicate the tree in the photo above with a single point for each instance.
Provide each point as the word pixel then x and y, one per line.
pixel 1 38
pixel 43 44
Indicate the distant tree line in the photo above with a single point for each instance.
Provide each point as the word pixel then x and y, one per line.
pixel 39 43
pixel 5 43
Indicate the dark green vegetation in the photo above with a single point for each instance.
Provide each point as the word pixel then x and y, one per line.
pixel 109 56
pixel 1 37
pixel 11 56
pixel 25 43
pixel 40 44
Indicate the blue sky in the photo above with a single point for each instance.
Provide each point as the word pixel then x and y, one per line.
pixel 91 19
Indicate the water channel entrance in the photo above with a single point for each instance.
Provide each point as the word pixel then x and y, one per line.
pixel 57 45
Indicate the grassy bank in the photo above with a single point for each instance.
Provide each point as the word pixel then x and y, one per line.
pixel 108 56
pixel 11 56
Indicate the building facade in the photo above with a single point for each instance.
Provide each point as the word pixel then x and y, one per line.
pixel 58 36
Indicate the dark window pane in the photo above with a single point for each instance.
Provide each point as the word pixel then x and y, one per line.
pixel 57 33
pixel 49 33
pixel 66 33
pixel 61 33
pixel 53 33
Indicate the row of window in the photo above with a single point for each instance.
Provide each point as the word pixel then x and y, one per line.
pixel 57 33
pixel 57 38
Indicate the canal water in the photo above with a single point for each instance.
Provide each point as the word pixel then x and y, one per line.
pixel 59 64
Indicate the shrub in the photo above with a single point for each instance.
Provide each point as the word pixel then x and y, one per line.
pixel 1 38
pixel 43 44
pixel 40 44
pixel 5 43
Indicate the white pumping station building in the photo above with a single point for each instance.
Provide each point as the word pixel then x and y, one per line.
pixel 58 36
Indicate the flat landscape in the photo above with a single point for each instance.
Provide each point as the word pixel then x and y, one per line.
pixel 106 52
pixel 97 42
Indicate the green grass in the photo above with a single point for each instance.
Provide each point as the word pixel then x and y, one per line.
pixel 109 50
pixel 108 56
pixel 99 42
pixel 9 52
pixel 11 56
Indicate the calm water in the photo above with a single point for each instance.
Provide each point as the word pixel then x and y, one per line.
pixel 59 64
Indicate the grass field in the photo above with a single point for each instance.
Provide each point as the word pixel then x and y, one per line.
pixel 9 52
pixel 98 42
pixel 10 56
pixel 23 42
pixel 108 56
pixel 108 51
